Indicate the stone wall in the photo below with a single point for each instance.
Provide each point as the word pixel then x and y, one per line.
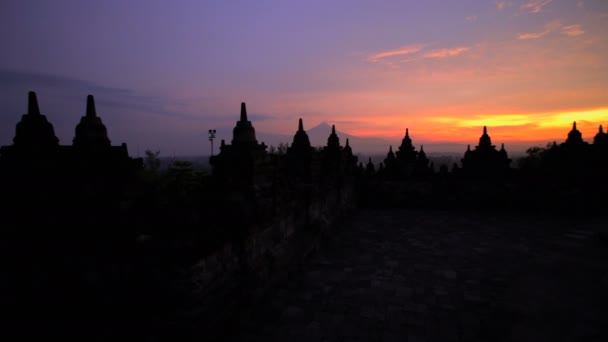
pixel 278 228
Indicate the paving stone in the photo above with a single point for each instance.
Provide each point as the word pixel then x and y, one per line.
pixel 293 311
pixel 393 337
pixel 450 274
pixel 438 276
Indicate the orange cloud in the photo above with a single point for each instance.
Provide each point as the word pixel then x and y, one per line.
pixel 525 36
pixel 406 50
pixel 572 30
pixel 443 53
pixel 523 92
pixel 549 27
pixel 413 50
pixel 535 6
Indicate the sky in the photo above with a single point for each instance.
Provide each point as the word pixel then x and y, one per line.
pixel 165 72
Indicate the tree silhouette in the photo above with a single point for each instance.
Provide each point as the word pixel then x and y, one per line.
pixel 533 158
pixel 280 150
pixel 152 162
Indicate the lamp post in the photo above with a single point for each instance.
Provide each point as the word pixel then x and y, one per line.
pixel 211 137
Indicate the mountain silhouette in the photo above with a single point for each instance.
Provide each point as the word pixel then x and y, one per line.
pixel 319 133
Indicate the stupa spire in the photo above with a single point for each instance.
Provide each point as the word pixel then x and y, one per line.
pixel 485 142
pixel 34 129
pixel 300 125
pixel 333 142
pixel 91 131
pixel 243 132
pixel 243 112
pixel 574 136
pixel 390 155
pixel 91 106
pixel 32 104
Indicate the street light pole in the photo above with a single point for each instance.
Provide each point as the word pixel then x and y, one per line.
pixel 211 137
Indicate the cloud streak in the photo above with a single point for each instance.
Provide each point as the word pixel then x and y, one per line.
pixel 535 6
pixel 415 53
pixel 443 53
pixel 405 50
pixel 570 31
pixel 534 35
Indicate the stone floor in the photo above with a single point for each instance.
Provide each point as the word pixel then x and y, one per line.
pixel 395 275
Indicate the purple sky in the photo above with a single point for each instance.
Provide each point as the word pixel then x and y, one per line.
pixel 163 72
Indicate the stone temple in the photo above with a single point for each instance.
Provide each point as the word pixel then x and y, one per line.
pixel 485 160
pixel 242 162
pixel 35 140
pixel 37 166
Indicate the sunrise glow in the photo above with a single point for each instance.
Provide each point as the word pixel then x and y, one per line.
pixel 526 69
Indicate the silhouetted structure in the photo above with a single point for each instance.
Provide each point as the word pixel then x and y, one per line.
pixel 350 159
pixel 370 169
pixel 422 168
pixel 485 161
pixel 242 162
pixel 406 155
pixel 37 169
pixel 575 137
pixel 34 133
pixel 91 133
pixel 331 158
pixel 600 149
pixel 299 155
pixel 601 138
pixel 333 142
pixel 391 167
pixel 574 161
pixel 407 163
pixel 257 214
pixel 35 137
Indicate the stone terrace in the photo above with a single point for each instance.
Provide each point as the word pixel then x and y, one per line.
pixel 398 275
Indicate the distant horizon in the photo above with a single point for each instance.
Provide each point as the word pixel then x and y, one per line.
pixel 381 144
pixel 165 73
pixel 516 148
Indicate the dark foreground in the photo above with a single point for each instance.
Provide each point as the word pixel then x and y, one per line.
pixel 396 275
